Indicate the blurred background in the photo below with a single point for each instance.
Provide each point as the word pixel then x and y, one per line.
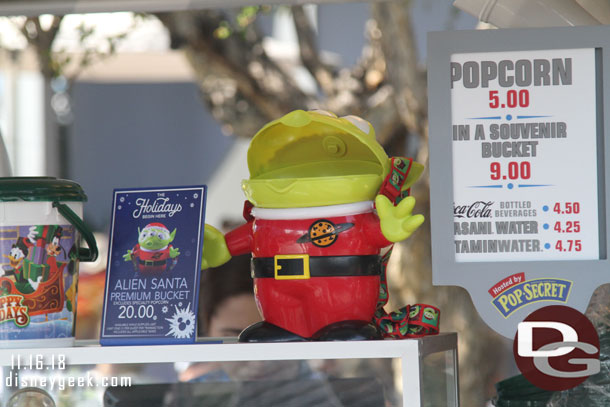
pixel 162 97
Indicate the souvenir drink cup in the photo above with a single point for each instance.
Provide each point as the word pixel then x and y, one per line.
pixel 40 229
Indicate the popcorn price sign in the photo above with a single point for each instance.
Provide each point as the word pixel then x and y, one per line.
pixel 517 121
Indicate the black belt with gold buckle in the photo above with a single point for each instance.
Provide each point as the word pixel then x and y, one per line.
pixel 303 266
pixel 151 263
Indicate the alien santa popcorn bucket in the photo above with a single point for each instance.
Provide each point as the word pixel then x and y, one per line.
pixel 40 229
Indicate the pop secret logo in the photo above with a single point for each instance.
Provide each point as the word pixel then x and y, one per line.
pixel 12 309
pixel 514 292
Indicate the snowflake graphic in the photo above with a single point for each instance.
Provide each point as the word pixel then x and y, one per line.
pixel 164 309
pixel 182 323
pixel 120 207
pixel 122 199
pixel 195 196
pixel 192 205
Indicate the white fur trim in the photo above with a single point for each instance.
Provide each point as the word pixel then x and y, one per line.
pixel 146 250
pixel 314 212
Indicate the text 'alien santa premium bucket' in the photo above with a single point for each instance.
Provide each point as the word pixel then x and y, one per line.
pixel 40 229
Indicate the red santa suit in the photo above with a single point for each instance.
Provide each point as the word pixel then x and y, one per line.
pixel 313 267
pixel 150 260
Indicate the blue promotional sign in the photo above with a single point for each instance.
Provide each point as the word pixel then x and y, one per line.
pixel 154 262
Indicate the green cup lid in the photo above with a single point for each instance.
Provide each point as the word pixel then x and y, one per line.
pixel 35 189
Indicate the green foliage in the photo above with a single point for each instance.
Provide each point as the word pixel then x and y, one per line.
pixel 244 18
pixel 247 15
pixel 223 31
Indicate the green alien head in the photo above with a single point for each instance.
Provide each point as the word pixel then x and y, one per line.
pixel 308 159
pixel 155 236
pixel 414 311
pixel 430 314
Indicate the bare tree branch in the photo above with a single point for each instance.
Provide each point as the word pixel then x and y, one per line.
pixel 393 19
pixel 42 41
pixel 242 85
pixel 244 88
pixel 309 51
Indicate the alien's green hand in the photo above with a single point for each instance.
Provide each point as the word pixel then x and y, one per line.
pixel 174 252
pixel 128 257
pixel 397 223
pixel 215 250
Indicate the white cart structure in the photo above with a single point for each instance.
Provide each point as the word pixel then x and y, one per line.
pixel 428 365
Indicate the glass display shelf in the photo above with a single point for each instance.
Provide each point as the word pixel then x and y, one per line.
pixel 419 372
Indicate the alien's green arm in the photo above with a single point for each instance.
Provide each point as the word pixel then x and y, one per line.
pixel 174 252
pixel 397 222
pixel 215 250
pixel 127 256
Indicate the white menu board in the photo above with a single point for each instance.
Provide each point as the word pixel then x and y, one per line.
pixel 525 154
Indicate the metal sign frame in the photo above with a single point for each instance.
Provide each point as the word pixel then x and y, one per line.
pixel 62 7
pixel 582 276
